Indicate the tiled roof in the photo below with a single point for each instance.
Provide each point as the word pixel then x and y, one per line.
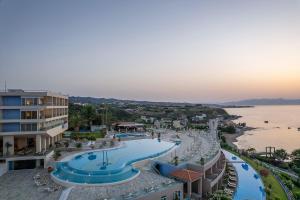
pixel 186 175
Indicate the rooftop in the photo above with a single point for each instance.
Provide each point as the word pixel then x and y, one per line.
pixel 186 175
pixel 11 92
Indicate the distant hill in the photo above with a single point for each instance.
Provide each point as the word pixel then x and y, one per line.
pixel 254 102
pixel 94 100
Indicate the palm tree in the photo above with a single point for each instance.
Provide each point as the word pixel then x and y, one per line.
pixel 251 151
pixel 75 122
pixel 89 113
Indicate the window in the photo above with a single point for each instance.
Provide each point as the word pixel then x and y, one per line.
pixel 176 195
pixel 163 198
pixel 29 114
pixel 29 101
pixel 29 127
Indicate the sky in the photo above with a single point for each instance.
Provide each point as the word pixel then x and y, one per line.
pixel 158 50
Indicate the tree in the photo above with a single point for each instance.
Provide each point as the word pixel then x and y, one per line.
pixel 75 121
pixel 89 114
pixel 296 157
pixel 251 150
pixel 176 160
pixel 280 154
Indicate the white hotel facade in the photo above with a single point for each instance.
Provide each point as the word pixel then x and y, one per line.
pixel 30 124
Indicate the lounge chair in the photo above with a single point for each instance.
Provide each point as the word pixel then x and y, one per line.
pixel 228 191
pixel 230 184
pixel 232 179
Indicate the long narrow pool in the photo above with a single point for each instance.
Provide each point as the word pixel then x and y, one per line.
pixel 109 166
pixel 250 185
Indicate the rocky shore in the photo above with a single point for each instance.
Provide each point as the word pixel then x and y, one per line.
pixel 232 138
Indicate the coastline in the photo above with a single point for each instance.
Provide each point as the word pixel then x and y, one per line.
pixel 231 138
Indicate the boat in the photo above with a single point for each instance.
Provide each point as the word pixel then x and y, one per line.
pixel 289 127
pixel 299 129
pixel 266 122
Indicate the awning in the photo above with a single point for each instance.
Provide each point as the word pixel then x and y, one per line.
pixel 186 175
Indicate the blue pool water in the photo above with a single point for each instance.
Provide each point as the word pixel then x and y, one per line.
pixel 250 185
pixel 109 166
pixel 125 135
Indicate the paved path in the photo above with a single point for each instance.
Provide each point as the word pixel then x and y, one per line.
pixel 65 194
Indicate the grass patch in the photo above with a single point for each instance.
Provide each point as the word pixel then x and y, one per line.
pixel 87 135
pixel 294 186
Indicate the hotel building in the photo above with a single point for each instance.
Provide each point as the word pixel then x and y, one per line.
pixel 30 124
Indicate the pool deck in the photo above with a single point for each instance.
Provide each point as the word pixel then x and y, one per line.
pixel 146 181
pixel 194 146
pixel 19 184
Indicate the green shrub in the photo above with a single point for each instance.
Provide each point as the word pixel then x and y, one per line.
pixel 268 191
pixel 289 184
pixel 264 172
pixel 56 154
pixel 78 145
pixel 297 195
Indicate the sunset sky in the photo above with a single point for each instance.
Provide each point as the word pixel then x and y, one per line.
pixel 195 51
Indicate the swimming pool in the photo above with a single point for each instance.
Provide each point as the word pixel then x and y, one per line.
pixel 109 166
pixel 250 185
pixel 125 135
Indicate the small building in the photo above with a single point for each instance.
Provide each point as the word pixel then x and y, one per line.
pixel 129 127
pixel 199 118
pixel 148 119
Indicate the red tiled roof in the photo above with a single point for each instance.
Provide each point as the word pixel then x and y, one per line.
pixel 186 175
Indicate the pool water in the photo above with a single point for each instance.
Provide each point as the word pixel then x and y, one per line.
pixel 250 185
pixel 110 166
pixel 125 135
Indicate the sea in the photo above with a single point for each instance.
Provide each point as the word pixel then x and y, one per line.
pixel 276 126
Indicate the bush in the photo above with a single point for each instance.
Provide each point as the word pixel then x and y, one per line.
pixel 228 129
pixel 283 165
pixel 78 145
pixel 66 144
pixel 56 154
pixel 297 195
pixel 88 135
pixel 268 191
pixel 264 172
pixel 289 184
pixel 91 138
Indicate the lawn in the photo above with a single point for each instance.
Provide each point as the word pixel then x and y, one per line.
pixel 87 135
pixel 291 184
pixel 277 193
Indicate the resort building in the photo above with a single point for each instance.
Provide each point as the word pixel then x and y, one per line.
pixel 30 124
